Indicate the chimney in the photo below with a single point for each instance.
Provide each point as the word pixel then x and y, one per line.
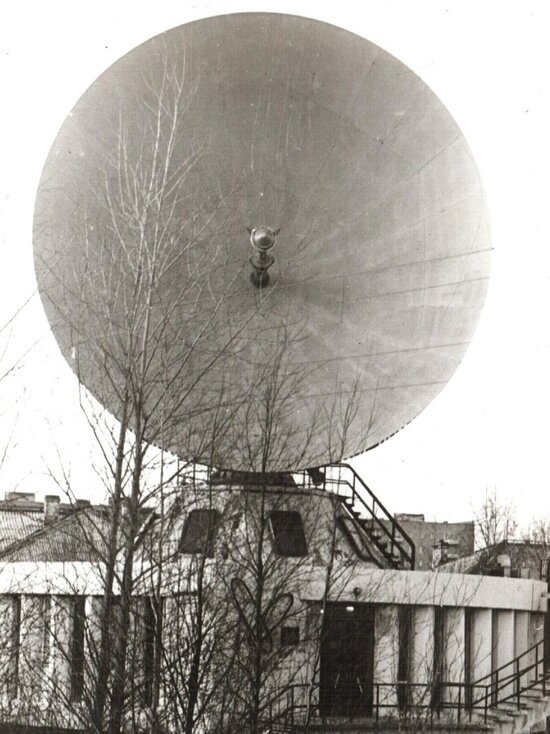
pixel 80 504
pixel 505 563
pixel 51 508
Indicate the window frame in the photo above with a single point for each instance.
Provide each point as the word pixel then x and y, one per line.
pixel 276 523
pixel 189 547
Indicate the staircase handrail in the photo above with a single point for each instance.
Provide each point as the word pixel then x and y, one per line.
pixel 515 681
pixel 407 553
pixel 466 699
pixel 535 647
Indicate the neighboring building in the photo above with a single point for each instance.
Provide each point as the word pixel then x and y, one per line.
pixel 526 559
pixel 21 515
pixel 348 628
pixel 437 542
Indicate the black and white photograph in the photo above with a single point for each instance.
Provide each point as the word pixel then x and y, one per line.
pixel 274 359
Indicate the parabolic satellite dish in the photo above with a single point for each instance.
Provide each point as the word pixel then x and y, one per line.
pixel 253 136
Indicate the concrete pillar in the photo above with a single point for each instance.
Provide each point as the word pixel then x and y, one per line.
pixel 5 632
pixel 504 650
pixel 536 634
pixel 62 624
pixel 386 653
pixel 454 648
pixel 521 632
pixel 422 654
pixel 521 640
pixel 92 639
pixel 31 648
pixel 480 645
pixel 8 649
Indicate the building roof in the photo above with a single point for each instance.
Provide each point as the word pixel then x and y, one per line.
pixel 17 524
pixel 21 515
pixel 81 536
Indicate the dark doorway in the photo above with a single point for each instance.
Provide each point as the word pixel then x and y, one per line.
pixel 347 660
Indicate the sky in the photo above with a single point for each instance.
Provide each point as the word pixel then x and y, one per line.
pixel 487 61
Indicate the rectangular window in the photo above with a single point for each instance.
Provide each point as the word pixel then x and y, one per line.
pixel 77 648
pixel 199 532
pixel 288 533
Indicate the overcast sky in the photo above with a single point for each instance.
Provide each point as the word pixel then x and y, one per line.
pixel 488 62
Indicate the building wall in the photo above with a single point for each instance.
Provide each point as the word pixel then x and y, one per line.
pixel 426 535
pixel 494 636
pixel 461 626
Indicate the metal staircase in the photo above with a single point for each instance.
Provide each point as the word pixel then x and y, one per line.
pixel 381 530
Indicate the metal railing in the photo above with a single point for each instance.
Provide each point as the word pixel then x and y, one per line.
pixel 390 538
pixel 295 706
pixel 290 708
pixel 363 507
pixel 507 683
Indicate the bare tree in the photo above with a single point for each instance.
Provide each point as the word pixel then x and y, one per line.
pixel 135 336
pixel 495 521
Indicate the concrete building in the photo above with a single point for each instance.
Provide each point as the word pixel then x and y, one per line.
pixel 349 630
